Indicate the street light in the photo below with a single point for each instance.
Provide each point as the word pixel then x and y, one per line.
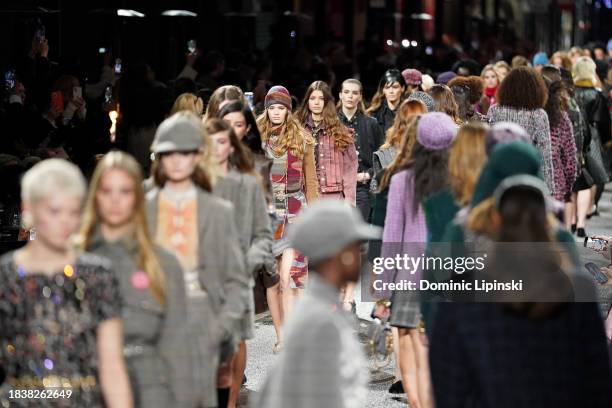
pixel 405 43
pixel 129 13
pixel 389 42
pixel 179 13
pixel 414 43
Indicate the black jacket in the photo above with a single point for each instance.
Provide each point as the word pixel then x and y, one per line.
pixel 368 138
pixel 593 105
pixel 385 116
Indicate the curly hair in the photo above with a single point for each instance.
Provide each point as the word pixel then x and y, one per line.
pixel 331 122
pixel 557 102
pixel 292 135
pixel 523 88
pixel 407 110
pixel 474 83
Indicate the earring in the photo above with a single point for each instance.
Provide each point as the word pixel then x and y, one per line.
pixel 347 258
pixel 26 220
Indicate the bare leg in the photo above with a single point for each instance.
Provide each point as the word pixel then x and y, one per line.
pixel 569 214
pixel 583 207
pixel 409 368
pixel 593 195
pixel 284 266
pixel 238 367
pixel 273 296
pixel 396 351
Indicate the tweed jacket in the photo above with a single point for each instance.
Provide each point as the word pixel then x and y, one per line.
pixel 322 364
pixel 221 263
pixel 336 169
pixel 155 338
pixel 535 122
pixel 481 355
pixel 244 191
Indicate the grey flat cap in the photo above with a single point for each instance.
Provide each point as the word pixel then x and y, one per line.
pixel 327 227
pixel 181 132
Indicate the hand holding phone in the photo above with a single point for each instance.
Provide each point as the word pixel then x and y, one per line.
pixel 57 102
pixel 596 272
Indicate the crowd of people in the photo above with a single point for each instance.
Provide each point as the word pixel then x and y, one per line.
pixel 151 221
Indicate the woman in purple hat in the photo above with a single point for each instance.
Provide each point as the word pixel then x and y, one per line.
pixel 294 185
pixel 414 177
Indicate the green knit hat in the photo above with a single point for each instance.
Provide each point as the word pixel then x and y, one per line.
pixel 506 160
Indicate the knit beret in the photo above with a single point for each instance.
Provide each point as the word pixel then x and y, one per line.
pixel 436 130
pixel 444 77
pixel 423 97
pixel 506 160
pixel 504 132
pixel 278 95
pixel 412 76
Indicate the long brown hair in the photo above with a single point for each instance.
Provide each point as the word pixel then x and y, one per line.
pixel 240 159
pixel 466 158
pixel 292 136
pixel 147 260
pixel 407 110
pixel 331 122
pixel 444 101
pixel 221 94
pixel 403 158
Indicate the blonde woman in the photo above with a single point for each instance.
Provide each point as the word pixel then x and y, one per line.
pixel 294 186
pixel 60 315
pixel 150 281
pixel 491 81
pixel 188 102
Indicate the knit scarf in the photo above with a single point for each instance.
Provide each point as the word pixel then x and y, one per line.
pixel 490 92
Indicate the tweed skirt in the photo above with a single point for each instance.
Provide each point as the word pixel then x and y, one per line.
pixel 405 309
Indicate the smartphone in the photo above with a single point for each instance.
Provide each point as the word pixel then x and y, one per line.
pixel 9 80
pixel 191 46
pixel 108 94
pixel 595 244
pixel 118 66
pixel 596 272
pixel 102 50
pixel 39 35
pixel 249 97
pixel 57 101
pixel 77 92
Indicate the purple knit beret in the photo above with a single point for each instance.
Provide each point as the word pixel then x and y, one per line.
pixel 278 95
pixel 436 131
pixel 445 77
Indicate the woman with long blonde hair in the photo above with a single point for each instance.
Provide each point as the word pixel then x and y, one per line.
pixel 294 185
pixel 188 102
pixel 150 281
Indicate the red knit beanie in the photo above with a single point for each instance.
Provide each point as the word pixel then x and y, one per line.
pixel 278 95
